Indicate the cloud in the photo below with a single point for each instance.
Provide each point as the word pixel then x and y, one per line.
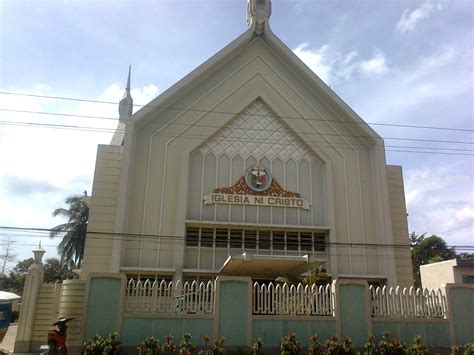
pixel 410 19
pixel 333 67
pixel 24 186
pixel 376 65
pixel 319 60
pixel 437 202
pixel 44 165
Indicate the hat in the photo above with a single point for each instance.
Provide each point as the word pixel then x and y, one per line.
pixel 63 320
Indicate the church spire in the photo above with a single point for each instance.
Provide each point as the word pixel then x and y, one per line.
pixel 258 14
pixel 126 104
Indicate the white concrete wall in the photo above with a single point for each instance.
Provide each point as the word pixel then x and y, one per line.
pixel 436 274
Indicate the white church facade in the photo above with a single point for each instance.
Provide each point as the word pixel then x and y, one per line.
pixel 248 166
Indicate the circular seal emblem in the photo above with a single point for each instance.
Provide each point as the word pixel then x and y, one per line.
pixel 258 178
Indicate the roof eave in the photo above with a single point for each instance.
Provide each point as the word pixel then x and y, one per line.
pixel 276 44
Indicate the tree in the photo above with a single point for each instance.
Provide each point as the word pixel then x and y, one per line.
pixel 71 248
pixel 8 255
pixel 54 271
pixel 426 250
pixel 316 276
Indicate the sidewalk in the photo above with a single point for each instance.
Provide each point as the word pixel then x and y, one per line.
pixel 8 340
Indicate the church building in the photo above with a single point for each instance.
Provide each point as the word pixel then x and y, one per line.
pixel 248 166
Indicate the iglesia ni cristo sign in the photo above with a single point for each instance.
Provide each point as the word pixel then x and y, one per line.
pixel 257 188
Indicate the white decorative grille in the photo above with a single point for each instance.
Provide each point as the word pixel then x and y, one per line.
pixel 292 299
pixel 165 297
pixel 407 302
pixel 256 132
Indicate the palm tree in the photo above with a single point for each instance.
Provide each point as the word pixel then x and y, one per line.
pixel 316 276
pixel 71 248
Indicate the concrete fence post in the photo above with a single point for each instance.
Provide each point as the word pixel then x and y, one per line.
pixel 234 310
pixel 34 279
pixel 460 304
pixel 352 309
pixel 104 304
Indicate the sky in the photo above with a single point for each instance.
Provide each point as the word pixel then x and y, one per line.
pixel 397 62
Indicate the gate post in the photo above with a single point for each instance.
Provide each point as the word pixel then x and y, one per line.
pixel 352 309
pixel 233 313
pixel 33 281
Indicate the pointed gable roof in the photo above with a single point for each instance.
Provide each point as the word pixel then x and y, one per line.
pixel 259 30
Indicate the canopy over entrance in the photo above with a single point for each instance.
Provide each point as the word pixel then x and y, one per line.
pixel 266 266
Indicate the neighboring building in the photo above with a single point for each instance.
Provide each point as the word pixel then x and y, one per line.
pixel 459 271
pixel 248 166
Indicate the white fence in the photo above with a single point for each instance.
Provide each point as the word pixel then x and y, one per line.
pixel 167 297
pixel 407 302
pixel 292 299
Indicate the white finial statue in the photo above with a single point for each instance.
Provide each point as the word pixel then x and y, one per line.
pixel 126 104
pixel 258 14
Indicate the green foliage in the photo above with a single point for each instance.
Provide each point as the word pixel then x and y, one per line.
pixel 370 346
pixel 289 345
pixel 100 345
pixel 393 347
pixel 149 346
pixel 168 347
pixel 186 347
pixel 257 347
pixel 335 347
pixel 469 349
pixel 314 347
pixel 217 346
pixel 317 276
pixel 73 232
pixel 426 250
pixel 417 348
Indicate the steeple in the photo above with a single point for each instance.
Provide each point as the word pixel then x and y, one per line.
pixel 258 14
pixel 126 104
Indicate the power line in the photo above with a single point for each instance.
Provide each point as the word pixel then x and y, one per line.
pixel 232 113
pixel 136 236
pixel 326 144
pixel 105 129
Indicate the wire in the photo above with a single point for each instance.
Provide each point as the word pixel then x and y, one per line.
pixel 333 145
pixel 193 125
pixel 138 237
pixel 232 113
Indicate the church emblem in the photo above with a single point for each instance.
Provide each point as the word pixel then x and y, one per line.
pixel 256 188
pixel 258 178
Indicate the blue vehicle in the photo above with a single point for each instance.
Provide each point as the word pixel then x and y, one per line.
pixel 6 301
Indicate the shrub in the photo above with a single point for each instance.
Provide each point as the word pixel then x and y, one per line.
pixel 417 348
pixel 315 348
pixel 469 349
pixel 393 347
pixel 370 346
pixel 168 347
pixel 289 345
pixel 100 345
pixel 149 346
pixel 257 347
pixel 217 346
pixel 186 347
pixel 333 346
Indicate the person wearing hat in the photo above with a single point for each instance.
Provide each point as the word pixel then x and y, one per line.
pixel 57 337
